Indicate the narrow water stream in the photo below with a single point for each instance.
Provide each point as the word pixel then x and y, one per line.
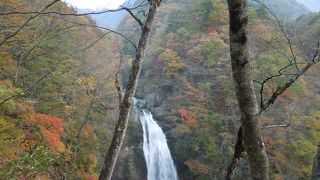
pixel 160 165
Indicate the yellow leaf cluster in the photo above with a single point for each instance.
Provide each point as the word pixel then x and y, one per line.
pixel 87 81
pixel 197 167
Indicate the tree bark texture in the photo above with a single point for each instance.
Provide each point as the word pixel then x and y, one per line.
pixel 126 103
pixel 237 155
pixel 245 91
pixel 316 166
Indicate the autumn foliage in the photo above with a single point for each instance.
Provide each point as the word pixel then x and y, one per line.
pixel 50 128
pixel 189 117
pixel 197 167
pixel 172 61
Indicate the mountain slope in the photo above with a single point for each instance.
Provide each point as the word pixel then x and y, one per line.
pixel 110 19
pixel 54 79
pixel 187 84
pixel 287 8
pixel 107 20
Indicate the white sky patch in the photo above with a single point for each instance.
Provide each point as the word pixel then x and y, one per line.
pixel 313 5
pixel 95 4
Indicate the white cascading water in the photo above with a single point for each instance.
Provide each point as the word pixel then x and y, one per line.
pixel 160 165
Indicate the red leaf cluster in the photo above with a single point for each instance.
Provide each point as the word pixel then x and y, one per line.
pixel 189 117
pixel 91 177
pixel 50 127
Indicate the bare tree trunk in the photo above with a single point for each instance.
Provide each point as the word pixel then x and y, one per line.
pixel 316 166
pixel 245 91
pixel 126 103
pixel 238 153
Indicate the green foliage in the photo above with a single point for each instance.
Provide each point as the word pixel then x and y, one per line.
pixel 184 103
pixel 204 86
pixel 196 144
pixel 297 88
pixel 49 104
pixel 201 10
pixel 219 15
pixel 314 19
pixel 7 132
pixel 38 71
pixel 7 66
pixel 173 63
pixel 212 119
pixel 212 49
pixel 263 13
pixel 177 20
pixel 37 161
pixel 269 64
pixel 7 89
pixel 182 35
pixel 286 8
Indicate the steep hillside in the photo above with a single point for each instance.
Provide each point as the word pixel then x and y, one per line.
pixel 58 103
pixel 286 8
pixel 56 95
pixel 307 29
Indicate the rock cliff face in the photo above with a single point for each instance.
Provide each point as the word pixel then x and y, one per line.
pixel 162 101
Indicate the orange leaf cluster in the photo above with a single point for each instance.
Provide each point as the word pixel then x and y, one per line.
pixel 189 117
pixel 50 128
pixel 88 131
pixel 284 96
pixel 91 177
pixel 190 90
pixel 197 167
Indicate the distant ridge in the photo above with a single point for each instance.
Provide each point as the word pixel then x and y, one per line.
pixel 109 19
pixel 286 8
pixel 313 5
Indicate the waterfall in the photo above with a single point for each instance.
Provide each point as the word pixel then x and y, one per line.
pixel 160 165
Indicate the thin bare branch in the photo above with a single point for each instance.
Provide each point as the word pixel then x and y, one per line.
pixel 92 44
pixel 284 87
pixel 92 102
pixel 26 22
pixel 100 27
pixel 25 54
pixel 279 125
pixel 135 17
pixel 283 125
pixel 142 4
pixel 283 31
pixel 117 84
pixel 29 88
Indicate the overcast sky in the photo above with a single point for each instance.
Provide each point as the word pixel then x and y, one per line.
pixel 95 4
